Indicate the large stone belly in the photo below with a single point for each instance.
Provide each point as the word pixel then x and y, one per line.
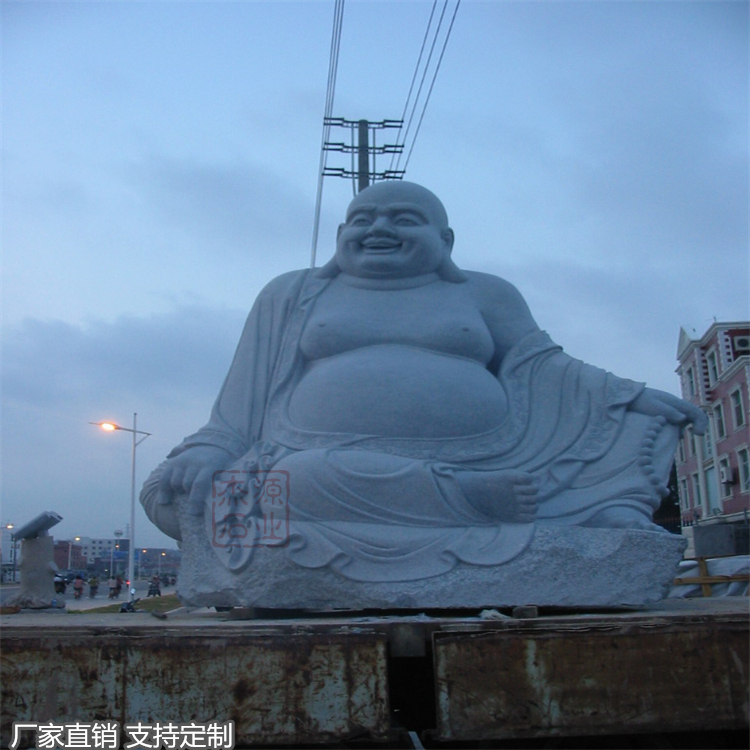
pixel 397 391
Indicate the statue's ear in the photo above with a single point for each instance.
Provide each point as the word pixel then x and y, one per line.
pixel 448 238
pixel 448 270
pixel 339 230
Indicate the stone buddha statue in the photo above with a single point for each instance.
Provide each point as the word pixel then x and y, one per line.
pixel 419 418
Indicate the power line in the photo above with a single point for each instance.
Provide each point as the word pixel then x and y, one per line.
pixel 434 77
pixel 333 61
pixel 414 77
pixel 424 76
pixel 363 148
pixel 411 120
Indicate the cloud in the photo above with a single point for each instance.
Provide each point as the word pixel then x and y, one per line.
pixel 48 362
pixel 57 377
pixel 625 318
pixel 228 208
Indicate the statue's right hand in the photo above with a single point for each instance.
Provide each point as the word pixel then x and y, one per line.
pixel 191 474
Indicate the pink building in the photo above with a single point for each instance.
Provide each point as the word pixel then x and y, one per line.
pixel 713 471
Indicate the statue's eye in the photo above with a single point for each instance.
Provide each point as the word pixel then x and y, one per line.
pixel 405 221
pixel 359 221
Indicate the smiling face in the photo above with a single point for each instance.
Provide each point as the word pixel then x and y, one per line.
pixel 393 230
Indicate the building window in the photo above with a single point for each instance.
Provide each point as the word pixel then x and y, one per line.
pixel 697 500
pixel 690 377
pixel 684 502
pixel 708 446
pixel 743 458
pixel 681 450
pixel 738 409
pixel 691 442
pixel 721 430
pixel 713 368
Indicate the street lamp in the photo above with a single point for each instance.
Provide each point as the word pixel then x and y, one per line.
pixel 70 549
pixel 115 545
pixel 163 554
pixel 111 427
pixel 9 526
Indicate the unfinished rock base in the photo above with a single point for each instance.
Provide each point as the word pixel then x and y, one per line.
pixel 561 567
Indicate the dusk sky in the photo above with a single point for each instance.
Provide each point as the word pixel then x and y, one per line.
pixel 160 166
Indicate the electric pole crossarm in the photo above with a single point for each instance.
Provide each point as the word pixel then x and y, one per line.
pixel 387 148
pixel 341 122
pixel 363 145
pixel 388 174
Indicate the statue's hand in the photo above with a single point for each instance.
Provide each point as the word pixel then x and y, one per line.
pixel 191 474
pixel 654 403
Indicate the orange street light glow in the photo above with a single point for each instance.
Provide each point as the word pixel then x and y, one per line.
pixel 108 426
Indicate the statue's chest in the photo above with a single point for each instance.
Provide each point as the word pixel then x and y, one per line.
pixel 438 318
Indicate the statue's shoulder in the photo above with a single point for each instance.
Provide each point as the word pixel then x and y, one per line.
pixel 503 307
pixel 288 283
pixel 488 288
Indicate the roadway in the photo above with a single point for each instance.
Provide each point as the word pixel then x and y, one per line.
pixel 102 599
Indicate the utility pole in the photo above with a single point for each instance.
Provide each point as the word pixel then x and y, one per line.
pixel 363 152
pixel 363 144
pixel 360 171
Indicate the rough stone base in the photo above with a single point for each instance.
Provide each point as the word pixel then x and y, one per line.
pixel 562 567
pixel 37 571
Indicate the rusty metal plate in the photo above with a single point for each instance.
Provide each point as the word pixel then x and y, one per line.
pixel 283 689
pixel 592 680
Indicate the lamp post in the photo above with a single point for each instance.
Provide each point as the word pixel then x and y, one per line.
pixel 163 554
pixel 9 526
pixel 115 545
pixel 70 549
pixel 111 427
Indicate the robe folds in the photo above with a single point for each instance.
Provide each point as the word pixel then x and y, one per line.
pixel 389 509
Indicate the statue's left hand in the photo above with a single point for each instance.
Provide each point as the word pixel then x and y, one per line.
pixel 655 403
pixel 190 473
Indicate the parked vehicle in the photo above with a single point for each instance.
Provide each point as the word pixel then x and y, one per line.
pixel 60 584
pixel 129 606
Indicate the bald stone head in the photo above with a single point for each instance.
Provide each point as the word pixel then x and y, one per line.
pixel 396 191
pixel 394 229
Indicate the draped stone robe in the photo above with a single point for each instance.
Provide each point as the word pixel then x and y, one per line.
pixel 567 423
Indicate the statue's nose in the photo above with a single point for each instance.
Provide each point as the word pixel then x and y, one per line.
pixel 381 225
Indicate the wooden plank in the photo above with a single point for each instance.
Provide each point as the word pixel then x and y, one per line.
pixel 712 579
pixel 705 580
pixel 703 569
